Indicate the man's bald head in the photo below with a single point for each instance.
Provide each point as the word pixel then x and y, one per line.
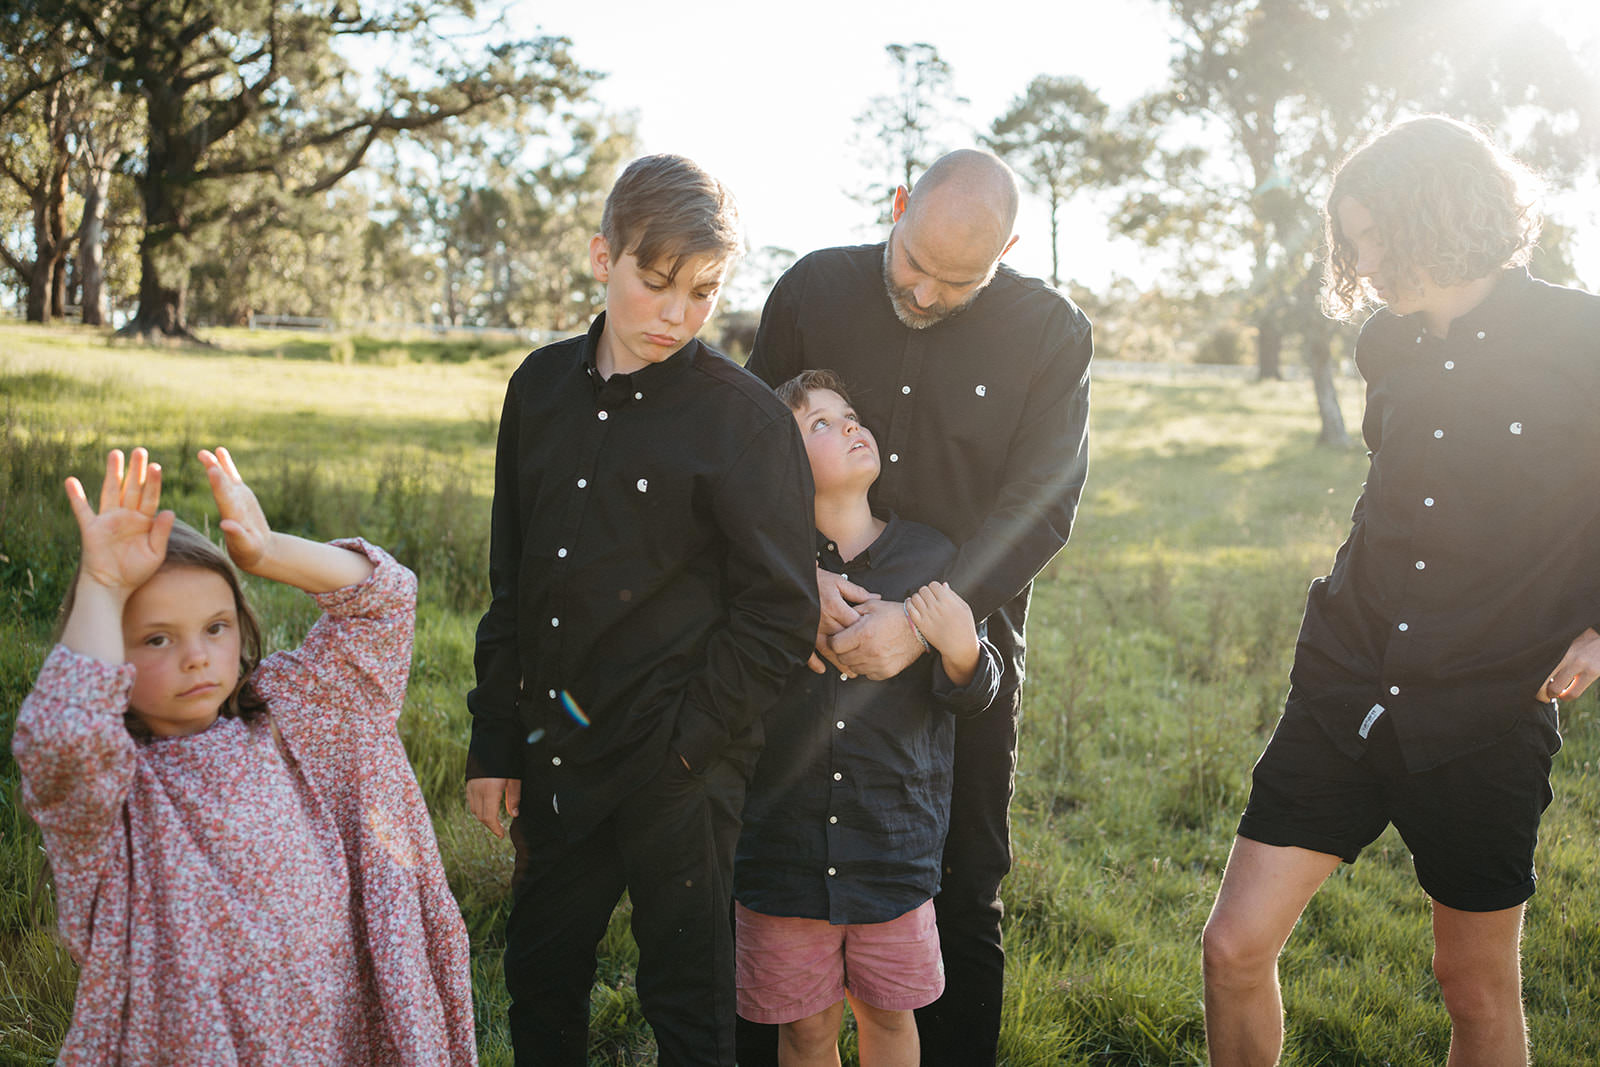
pixel 949 234
pixel 972 192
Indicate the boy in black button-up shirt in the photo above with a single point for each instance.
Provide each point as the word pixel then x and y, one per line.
pixel 654 586
pixel 1459 610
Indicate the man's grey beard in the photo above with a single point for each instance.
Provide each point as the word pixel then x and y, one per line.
pixel 905 308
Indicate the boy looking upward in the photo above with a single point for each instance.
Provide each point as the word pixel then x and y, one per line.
pixel 1460 608
pixel 839 859
pixel 654 586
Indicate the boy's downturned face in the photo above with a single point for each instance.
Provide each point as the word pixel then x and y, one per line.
pixel 843 453
pixel 651 314
pixel 1403 296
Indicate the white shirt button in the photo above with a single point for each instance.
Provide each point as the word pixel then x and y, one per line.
pixel 1449 364
pixel 1438 433
pixel 555 622
pixel 1421 566
pixel 552 694
pixel 1404 627
pixel 894 457
pixel 1427 501
pixel 1419 338
pixel 843 677
pixel 583 483
pixel 638 396
pixel 603 416
pixel 905 390
pixel 555 761
pixel 838 777
pixel 832 872
pixel 1481 335
pixel 839 725
pixel 561 553
pixel 832 819
pixel 1394 690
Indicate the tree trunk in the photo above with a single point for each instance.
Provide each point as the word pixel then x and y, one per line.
pixel 91 249
pixel 1055 256
pixel 163 265
pixel 1269 351
pixel 1319 356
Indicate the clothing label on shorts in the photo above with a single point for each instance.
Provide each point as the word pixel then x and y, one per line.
pixel 1372 717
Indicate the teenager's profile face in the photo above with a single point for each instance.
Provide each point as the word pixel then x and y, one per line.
pixel 180 630
pixel 843 453
pixel 1403 296
pixel 650 312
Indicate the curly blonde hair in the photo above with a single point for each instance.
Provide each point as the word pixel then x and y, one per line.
pixel 1447 202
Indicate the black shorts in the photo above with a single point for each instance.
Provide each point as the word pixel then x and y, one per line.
pixel 1471 824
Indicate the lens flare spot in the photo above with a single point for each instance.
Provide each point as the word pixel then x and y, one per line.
pixel 537 736
pixel 574 712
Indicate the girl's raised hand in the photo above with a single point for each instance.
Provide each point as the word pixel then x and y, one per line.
pixel 126 542
pixel 244 525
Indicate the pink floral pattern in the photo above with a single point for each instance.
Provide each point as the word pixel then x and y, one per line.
pixel 236 897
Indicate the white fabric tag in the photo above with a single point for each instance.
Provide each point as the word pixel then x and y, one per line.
pixel 1372 717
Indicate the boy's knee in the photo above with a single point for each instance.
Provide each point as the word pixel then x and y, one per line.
pixel 1232 955
pixel 1475 992
pixel 884 1020
pixel 813 1035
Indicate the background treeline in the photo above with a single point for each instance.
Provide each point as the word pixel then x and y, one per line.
pixel 409 161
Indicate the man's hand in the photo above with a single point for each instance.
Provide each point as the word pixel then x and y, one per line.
pixel 1576 671
pixel 484 796
pixel 839 596
pixel 880 644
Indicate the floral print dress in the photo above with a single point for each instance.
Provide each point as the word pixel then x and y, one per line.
pixel 251 895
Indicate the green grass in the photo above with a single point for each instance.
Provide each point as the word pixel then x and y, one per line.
pixel 1160 644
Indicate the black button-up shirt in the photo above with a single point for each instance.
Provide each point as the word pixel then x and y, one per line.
pixel 982 420
pixel 1474 559
pixel 653 573
pixel 846 816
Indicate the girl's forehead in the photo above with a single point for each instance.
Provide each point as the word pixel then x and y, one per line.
pixel 177 594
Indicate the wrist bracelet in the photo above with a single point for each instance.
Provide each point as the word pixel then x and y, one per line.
pixel 905 606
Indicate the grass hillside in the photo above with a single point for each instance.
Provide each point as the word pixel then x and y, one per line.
pixel 1159 647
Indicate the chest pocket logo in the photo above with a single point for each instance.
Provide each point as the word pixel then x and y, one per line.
pixel 1516 427
pixel 982 390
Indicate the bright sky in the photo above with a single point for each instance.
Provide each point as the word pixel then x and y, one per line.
pixel 765 96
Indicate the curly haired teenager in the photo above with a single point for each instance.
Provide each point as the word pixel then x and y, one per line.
pixel 1459 610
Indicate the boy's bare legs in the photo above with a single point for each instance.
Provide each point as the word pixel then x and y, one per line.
pixel 885 1038
pixel 812 1041
pixel 1477 960
pixel 1264 890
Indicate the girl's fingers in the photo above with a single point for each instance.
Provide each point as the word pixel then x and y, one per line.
pixel 80 504
pixel 133 482
pixel 111 486
pixel 227 462
pixel 160 530
pixel 150 494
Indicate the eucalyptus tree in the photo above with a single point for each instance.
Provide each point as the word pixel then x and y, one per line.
pixel 235 88
pixel 902 132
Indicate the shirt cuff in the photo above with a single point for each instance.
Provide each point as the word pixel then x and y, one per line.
pixel 92 682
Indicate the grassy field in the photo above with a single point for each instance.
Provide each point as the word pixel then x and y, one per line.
pixel 1160 644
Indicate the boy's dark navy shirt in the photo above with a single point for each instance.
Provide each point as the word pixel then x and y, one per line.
pixel 653 574
pixel 846 816
pixel 1474 558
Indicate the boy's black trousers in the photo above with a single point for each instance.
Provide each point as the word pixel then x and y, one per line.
pixel 670 844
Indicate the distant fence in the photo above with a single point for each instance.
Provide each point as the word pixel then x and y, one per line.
pixel 1117 368
pixel 392 329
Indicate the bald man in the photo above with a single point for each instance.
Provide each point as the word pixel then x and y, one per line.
pixel 975 380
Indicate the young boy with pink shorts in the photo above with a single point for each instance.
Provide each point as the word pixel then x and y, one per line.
pixel 846 816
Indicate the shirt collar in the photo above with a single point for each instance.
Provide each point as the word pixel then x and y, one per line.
pixel 1495 310
pixel 621 388
pixel 828 551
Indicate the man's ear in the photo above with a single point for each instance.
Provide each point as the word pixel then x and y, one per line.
pixel 600 257
pixel 902 197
